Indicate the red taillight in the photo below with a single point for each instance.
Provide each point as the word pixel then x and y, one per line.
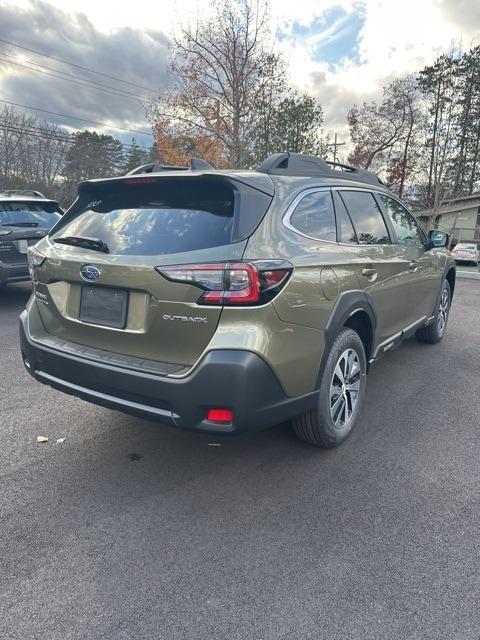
pixel 220 415
pixel 232 283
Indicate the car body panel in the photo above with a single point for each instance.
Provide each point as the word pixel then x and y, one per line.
pixel 163 322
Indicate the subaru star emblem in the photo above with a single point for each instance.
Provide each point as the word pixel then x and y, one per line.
pixel 89 272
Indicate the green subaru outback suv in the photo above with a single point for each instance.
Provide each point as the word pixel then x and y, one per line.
pixel 227 301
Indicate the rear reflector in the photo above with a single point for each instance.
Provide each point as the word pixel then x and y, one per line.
pixel 220 415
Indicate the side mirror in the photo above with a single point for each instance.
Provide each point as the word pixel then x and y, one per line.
pixel 437 239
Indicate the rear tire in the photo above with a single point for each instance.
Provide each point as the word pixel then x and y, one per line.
pixel 340 396
pixel 435 331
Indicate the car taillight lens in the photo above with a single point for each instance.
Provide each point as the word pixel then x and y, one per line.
pixel 35 259
pixel 233 283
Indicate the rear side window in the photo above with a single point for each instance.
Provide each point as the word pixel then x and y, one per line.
pixel 314 216
pixel 166 216
pixel 406 229
pixel 366 217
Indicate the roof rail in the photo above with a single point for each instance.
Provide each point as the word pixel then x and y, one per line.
pixel 196 164
pixel 27 193
pixel 297 164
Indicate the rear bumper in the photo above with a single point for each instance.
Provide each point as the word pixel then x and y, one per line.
pixel 231 379
pixel 17 272
pixel 469 260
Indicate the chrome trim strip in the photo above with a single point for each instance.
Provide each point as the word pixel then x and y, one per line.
pixel 414 324
pixel 398 335
pixel 117 401
pixel 384 343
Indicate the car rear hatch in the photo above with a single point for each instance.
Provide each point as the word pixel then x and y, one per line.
pixel 114 299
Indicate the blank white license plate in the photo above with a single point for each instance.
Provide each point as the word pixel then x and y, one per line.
pixel 22 246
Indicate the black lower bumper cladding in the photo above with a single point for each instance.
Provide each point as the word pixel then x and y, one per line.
pixel 231 379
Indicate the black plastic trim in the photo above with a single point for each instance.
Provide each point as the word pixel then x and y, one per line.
pixel 233 379
pixel 298 164
pixel 346 305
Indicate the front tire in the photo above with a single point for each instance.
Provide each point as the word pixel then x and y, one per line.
pixel 435 331
pixel 340 396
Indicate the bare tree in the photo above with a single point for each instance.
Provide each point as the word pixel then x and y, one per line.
pixel 221 67
pixel 32 151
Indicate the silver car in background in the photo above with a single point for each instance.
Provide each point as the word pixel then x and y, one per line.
pixel 466 252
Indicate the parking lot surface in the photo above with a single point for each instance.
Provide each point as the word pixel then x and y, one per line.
pixel 131 530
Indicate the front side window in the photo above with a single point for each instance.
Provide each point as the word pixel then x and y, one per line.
pixel 314 216
pixel 405 227
pixel 366 217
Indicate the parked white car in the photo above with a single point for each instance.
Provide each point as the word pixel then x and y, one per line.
pixel 466 252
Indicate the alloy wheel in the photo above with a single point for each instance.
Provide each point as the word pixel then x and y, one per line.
pixel 443 312
pixel 345 388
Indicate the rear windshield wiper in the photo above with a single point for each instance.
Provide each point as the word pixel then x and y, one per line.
pixel 20 224
pixel 86 243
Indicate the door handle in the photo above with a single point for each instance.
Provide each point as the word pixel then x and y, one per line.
pixel 369 272
pixel 413 265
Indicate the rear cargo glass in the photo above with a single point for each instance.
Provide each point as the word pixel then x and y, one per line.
pixel 147 217
pixel 35 214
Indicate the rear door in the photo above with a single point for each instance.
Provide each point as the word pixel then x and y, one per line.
pixel 382 268
pixel 115 299
pixel 424 267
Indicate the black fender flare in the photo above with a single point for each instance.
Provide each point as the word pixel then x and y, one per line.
pixel 346 305
pixel 449 265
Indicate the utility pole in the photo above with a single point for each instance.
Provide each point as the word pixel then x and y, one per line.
pixel 335 146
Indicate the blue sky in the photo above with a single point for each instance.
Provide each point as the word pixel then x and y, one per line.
pixel 333 36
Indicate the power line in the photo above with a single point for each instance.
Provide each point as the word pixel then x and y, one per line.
pixel 36 132
pixel 80 84
pixel 65 115
pixel 70 75
pixel 72 64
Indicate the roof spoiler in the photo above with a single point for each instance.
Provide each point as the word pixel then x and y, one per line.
pixel 297 164
pixel 196 164
pixel 26 193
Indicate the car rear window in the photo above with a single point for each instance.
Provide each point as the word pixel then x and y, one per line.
pixel 35 214
pixel 157 217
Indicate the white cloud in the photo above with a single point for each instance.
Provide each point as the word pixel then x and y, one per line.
pixel 397 37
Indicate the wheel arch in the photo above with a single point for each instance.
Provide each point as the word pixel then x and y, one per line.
pixel 353 309
pixel 451 277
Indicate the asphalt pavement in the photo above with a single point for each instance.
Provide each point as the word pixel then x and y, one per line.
pixel 131 530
